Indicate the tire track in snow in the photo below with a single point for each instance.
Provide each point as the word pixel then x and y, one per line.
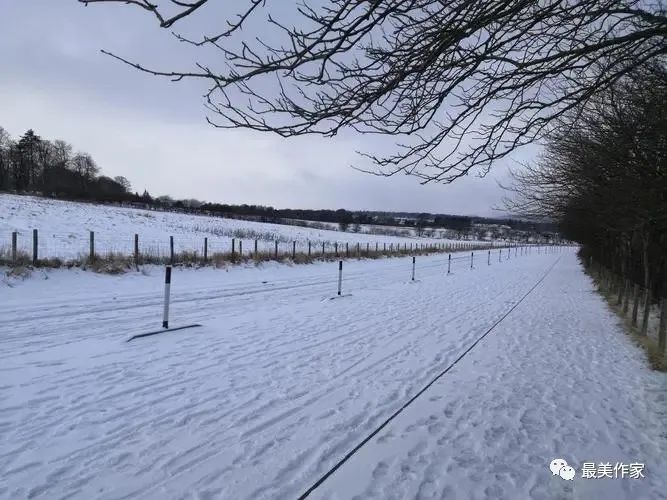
pixel 149 387
pixel 82 312
pixel 229 291
pixel 145 415
pixel 354 450
pixel 289 413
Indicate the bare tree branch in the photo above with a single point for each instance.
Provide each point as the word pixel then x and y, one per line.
pixel 461 84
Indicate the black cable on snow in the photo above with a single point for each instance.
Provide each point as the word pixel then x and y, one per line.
pixel 420 392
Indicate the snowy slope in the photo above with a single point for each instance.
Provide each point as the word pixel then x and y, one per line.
pixel 64 230
pixel 280 383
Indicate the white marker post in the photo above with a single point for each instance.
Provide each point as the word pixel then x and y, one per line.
pixel 340 276
pixel 165 312
pixel 167 286
pixel 413 268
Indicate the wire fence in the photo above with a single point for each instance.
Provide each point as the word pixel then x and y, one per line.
pixel 454 263
pixel 46 248
pixel 322 278
pixel 635 302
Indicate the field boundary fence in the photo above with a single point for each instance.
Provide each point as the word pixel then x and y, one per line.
pixel 465 262
pixel 636 303
pixel 42 248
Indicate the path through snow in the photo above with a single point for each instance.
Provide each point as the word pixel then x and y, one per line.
pixel 280 383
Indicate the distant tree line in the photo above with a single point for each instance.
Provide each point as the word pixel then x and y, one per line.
pixel 32 164
pixel 603 177
pixel 36 165
pixel 347 219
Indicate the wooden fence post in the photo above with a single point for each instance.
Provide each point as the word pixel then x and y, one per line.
pixel 323 249
pixel 613 278
pixel 136 250
pixel 336 248
pixel 308 248
pixel 14 246
pixel 205 250
pixel 293 250
pixel 662 331
pixel 347 249
pixel 256 253
pixel 92 246
pixel 240 248
pixel 635 305
pixel 233 248
pixel 275 251
pixel 647 310
pixel 621 290
pixel 607 279
pixel 35 241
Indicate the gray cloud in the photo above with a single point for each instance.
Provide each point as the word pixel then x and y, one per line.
pixel 54 79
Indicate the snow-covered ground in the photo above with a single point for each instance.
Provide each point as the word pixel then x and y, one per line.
pixel 280 383
pixel 64 230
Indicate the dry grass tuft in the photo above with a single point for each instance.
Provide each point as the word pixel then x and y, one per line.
pixel 656 359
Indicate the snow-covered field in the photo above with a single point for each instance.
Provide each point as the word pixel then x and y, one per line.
pixel 64 230
pixel 280 383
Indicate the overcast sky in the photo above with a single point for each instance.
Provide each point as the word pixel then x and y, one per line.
pixel 54 79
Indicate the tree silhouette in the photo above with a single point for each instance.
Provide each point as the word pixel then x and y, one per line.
pixel 459 84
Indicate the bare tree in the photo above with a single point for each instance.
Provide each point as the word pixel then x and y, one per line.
pixel 62 153
pixel 165 200
pixel 460 83
pixel 84 165
pixel 602 175
pixel 124 182
pixel 5 167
